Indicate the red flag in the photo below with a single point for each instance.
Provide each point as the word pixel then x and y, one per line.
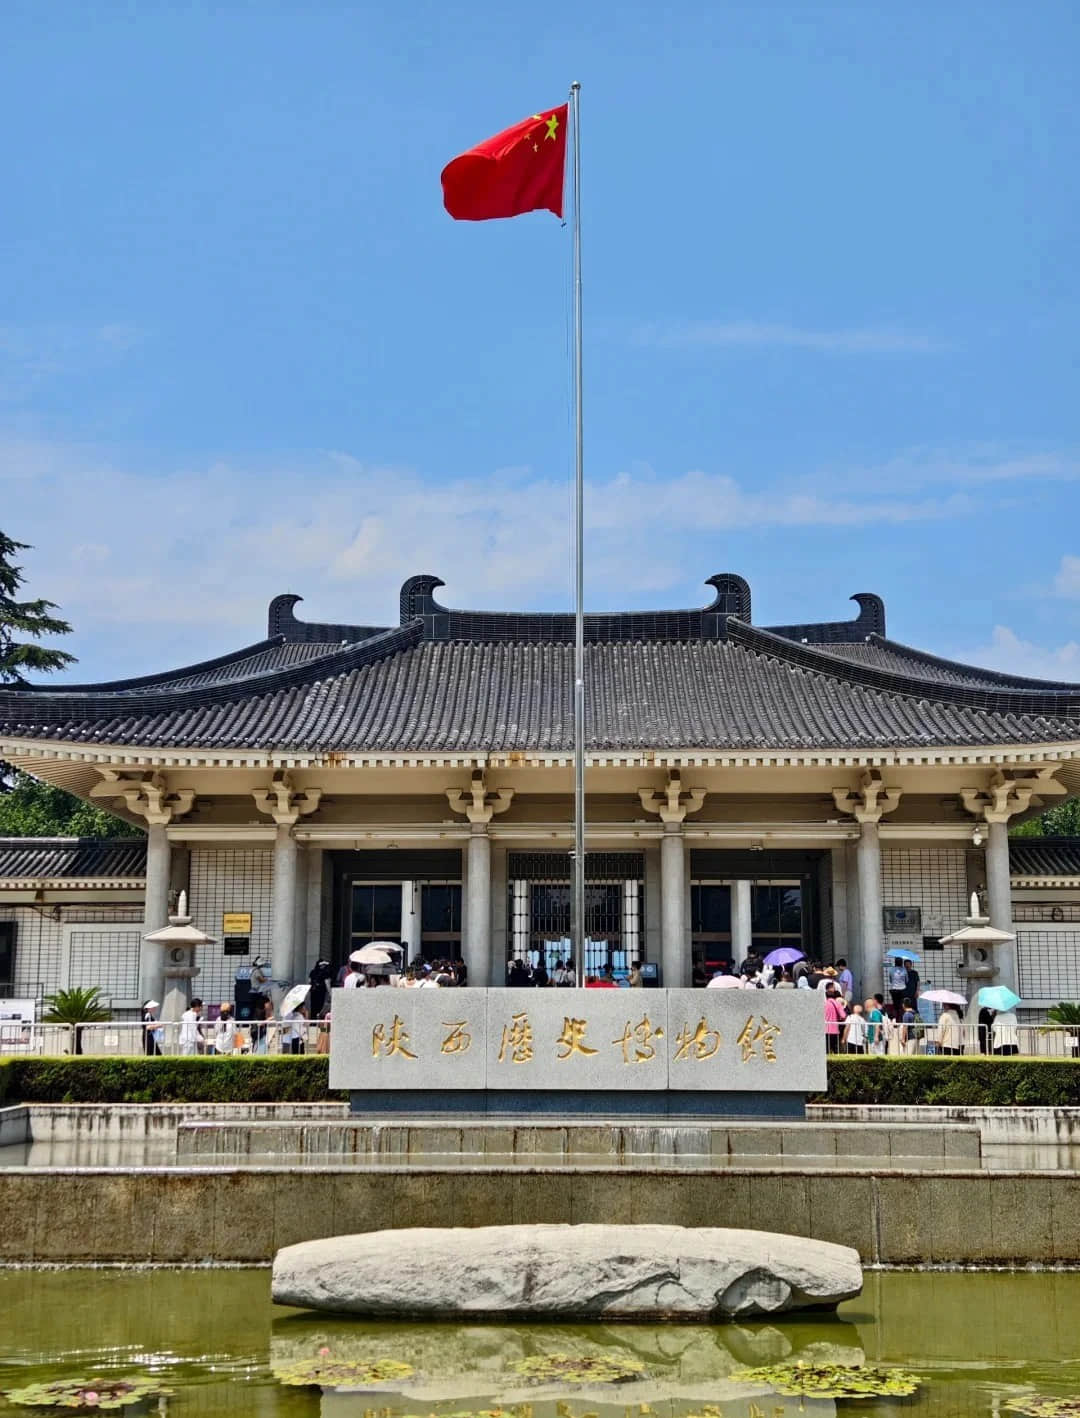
pixel 519 170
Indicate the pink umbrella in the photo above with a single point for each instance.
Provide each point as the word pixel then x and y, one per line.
pixel 724 982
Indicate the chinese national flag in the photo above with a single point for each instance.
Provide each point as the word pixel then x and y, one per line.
pixel 519 170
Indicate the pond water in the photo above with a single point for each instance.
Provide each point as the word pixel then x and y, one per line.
pixel 977 1342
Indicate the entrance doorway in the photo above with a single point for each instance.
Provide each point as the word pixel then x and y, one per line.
pixel 785 904
pixel 395 895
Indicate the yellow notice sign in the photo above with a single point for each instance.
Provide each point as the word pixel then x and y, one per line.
pixel 236 923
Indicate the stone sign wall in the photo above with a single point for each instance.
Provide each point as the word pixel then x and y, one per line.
pixel 744 1041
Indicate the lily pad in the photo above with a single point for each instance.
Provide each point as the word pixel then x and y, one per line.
pixel 1045 1405
pixel 579 1368
pixel 87 1395
pixel 831 1380
pixel 325 1371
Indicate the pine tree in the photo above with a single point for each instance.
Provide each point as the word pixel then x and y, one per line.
pixel 19 618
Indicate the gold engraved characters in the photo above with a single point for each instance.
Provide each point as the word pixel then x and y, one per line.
pixel 764 1035
pixel 459 1040
pixel 700 1044
pixel 572 1039
pixel 638 1039
pixel 517 1040
pixel 391 1043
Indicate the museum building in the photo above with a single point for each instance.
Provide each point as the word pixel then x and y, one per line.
pixel 816 785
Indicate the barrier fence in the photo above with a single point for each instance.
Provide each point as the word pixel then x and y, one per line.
pixel 289 1036
pixel 129 1038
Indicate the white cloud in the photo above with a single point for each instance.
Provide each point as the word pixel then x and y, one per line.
pixel 766 335
pixel 1009 653
pixel 197 553
pixel 1067 579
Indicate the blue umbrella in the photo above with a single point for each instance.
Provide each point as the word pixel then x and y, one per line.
pixel 785 955
pixel 998 997
pixel 903 955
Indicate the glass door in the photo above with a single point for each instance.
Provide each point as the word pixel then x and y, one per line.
pixel 375 913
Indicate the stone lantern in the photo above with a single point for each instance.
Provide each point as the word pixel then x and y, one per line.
pixel 977 939
pixel 178 940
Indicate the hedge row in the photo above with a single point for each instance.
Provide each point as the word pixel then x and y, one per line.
pixel 973 1081
pixel 281 1079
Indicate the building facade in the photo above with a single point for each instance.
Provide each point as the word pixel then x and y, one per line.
pixel 810 784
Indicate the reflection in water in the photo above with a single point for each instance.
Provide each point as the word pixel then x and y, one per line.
pixel 215 1340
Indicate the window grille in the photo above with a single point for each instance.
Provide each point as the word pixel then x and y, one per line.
pixel 107 959
pixel 538 909
pixel 1048 963
pixel 1052 912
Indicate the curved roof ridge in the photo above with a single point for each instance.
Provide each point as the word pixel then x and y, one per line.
pixel 120 686
pixel 1052 701
pixel 106 701
pixel 1021 682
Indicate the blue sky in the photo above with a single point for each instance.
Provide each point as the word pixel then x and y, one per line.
pixel 832 313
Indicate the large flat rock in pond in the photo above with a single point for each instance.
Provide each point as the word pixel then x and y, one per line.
pixel 572 1271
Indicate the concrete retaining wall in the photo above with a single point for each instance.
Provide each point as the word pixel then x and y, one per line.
pixel 184 1215
pixel 201 1142
pixel 1000 1127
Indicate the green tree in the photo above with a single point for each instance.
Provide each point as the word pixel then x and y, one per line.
pixel 1061 820
pixel 32 809
pixel 25 618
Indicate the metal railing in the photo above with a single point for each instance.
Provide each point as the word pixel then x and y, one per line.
pixel 128 1038
pixel 1060 1041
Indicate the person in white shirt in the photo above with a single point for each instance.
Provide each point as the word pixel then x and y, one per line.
pixel 294 1032
pixel 190 1033
pixel 856 1031
pixel 225 1030
pixel 355 977
pixel 1004 1033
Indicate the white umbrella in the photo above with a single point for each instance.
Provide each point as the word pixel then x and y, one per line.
pixel 724 982
pixel 371 955
pixel 295 997
pixel 944 997
pixel 391 945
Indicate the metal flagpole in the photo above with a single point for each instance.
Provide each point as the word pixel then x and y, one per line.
pixel 578 894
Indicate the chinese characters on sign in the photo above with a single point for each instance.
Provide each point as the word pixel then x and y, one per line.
pixel 548 1039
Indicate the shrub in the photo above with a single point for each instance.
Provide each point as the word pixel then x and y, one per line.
pixel 284 1079
pixel 985 1082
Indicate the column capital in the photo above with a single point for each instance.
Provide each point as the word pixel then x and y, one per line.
pixel 477 803
pixel 1008 793
pixel 283 802
pixel 145 795
pixel 674 802
pixel 870 801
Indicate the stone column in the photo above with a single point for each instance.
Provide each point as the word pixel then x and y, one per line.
pixel 155 912
pixel 283 904
pixel 871 927
pixel 672 805
pixel 999 901
pixel 479 805
pixel 868 803
pixel 149 796
pixel 838 879
pixel 674 949
pixel 741 924
pixel 477 949
pixel 1004 796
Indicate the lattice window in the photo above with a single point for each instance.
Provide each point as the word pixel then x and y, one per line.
pixel 935 880
pixel 1049 964
pixel 229 879
pixel 107 959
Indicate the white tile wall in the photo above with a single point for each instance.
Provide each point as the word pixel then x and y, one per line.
pixel 229 879
pixel 1048 961
pixel 935 879
pixel 39 946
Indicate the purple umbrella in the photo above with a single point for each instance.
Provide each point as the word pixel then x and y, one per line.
pixel 786 955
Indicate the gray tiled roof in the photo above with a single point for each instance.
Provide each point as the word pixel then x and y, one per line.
pixel 447 679
pixel 77 858
pixel 438 695
pixel 1044 856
